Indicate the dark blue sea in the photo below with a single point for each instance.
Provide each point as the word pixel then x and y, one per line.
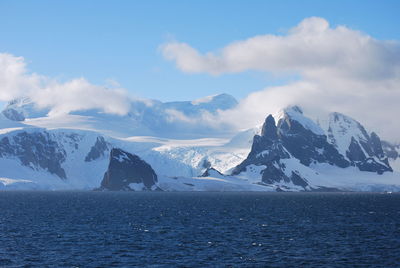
pixel 206 229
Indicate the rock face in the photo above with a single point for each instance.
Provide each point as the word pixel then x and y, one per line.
pixel 212 172
pixel 306 141
pixel 297 140
pixel 128 172
pixel 361 149
pixel 98 150
pixel 35 150
pixel 268 150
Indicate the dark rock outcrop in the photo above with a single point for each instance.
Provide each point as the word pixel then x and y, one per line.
pixel 212 172
pixel 297 137
pixel 206 164
pixel 35 150
pixel 125 168
pixel 368 162
pixel 267 150
pixel 364 150
pixel 306 145
pixel 98 150
pixel 376 145
pixel 266 147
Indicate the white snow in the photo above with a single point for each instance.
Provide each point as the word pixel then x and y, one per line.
pixel 252 173
pixel 342 129
pixel 352 179
pixel 178 162
pixel 296 114
pixel 8 181
pixel 244 139
pixel 206 99
pixel 145 118
pixel 137 186
pixel 122 157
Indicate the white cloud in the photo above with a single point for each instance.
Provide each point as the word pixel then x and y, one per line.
pixel 341 70
pixel 14 81
pixel 311 48
pixel 60 98
pixel 174 115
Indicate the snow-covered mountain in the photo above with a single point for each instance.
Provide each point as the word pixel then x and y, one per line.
pixel 145 118
pixel 295 152
pixel 89 150
pixel 360 148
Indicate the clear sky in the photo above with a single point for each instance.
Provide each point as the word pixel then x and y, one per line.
pixel 120 40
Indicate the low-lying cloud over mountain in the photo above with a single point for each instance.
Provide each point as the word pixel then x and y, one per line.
pixel 77 94
pixel 339 68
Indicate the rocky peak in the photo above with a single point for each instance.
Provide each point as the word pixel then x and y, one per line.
pixel 269 129
pixel 305 140
pixel 352 140
pixel 342 128
pixel 292 118
pixel 267 150
pixel 127 171
pixel 297 137
pixel 376 145
pixel 212 172
pixel 98 150
pixel 267 146
pixel 37 150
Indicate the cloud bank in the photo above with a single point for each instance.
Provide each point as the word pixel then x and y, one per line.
pixel 60 98
pixel 341 70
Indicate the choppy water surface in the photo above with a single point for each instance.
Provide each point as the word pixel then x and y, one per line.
pixel 105 229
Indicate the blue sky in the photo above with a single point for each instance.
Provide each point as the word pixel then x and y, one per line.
pixel 120 40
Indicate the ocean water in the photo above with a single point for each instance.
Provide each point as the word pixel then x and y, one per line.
pixel 204 229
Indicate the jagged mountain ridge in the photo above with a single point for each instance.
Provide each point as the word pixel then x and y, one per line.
pixel 290 152
pixel 353 141
pixel 296 137
pixel 268 150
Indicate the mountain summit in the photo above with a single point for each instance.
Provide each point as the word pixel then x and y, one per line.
pixel 286 152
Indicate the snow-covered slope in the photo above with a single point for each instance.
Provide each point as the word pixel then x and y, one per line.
pixel 295 114
pixel 289 152
pixel 356 144
pixel 295 153
pixel 145 118
pixel 36 158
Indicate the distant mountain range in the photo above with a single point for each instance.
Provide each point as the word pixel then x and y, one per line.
pixel 146 117
pixel 157 147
